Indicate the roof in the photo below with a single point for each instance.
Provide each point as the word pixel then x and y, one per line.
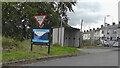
pixel 66 27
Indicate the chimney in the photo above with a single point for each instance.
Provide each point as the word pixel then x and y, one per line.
pixel 113 23
pixel 93 28
pixel 84 31
pixel 108 24
pixel 97 28
pixel 101 26
pixel 87 30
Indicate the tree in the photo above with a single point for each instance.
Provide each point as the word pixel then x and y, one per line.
pixel 18 21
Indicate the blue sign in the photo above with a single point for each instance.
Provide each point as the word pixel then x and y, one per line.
pixel 41 35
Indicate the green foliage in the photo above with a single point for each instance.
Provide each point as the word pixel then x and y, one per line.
pixel 89 43
pixel 18 21
pixel 9 44
pixel 56 44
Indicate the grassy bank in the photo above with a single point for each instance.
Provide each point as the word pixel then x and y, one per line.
pixel 16 50
pixel 88 43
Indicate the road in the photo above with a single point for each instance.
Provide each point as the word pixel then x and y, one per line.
pixel 98 57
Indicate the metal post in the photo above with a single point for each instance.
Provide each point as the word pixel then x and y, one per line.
pixel 81 33
pixel 81 24
pixel 31 41
pixel 31 47
pixel 48 49
pixel 105 19
pixel 61 32
pixel 49 34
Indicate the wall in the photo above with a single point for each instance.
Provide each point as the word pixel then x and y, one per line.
pixel 58 36
pixel 55 37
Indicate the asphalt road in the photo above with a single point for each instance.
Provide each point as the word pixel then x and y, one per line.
pixel 98 57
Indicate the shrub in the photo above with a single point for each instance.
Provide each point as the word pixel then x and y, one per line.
pixel 89 43
pixel 9 44
pixel 56 44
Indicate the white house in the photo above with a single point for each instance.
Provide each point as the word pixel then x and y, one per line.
pixel 86 36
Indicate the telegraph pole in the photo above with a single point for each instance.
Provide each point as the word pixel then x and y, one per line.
pixel 81 39
pixel 81 24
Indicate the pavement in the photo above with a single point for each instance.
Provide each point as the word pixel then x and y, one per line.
pixel 101 56
pixel 98 49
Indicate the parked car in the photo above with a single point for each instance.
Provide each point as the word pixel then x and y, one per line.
pixel 106 43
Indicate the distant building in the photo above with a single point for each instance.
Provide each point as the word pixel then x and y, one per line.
pixel 110 32
pixel 118 34
pixel 86 36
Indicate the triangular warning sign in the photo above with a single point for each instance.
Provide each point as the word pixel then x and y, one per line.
pixel 40 19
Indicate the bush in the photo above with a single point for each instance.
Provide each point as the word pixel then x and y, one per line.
pixel 56 44
pixel 89 43
pixel 9 44
pixel 86 43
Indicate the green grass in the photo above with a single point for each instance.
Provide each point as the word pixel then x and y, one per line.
pixel 12 56
pixel 16 50
pixel 55 50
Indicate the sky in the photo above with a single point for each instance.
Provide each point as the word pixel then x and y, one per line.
pixel 93 13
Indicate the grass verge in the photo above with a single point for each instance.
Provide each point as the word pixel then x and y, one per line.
pixel 15 50
pixel 55 50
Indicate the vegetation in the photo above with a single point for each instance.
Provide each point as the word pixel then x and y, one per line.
pixel 18 21
pixel 21 50
pixel 88 43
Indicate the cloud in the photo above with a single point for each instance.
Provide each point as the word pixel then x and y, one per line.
pixel 90 12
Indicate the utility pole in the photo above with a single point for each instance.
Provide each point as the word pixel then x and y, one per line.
pixel 81 39
pixel 81 24
pixel 61 31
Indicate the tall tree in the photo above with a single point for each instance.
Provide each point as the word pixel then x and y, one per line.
pixel 18 21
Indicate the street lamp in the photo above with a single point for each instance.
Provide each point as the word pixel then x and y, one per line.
pixel 105 24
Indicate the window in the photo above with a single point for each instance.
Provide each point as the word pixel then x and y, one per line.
pixel 114 32
pixel 110 38
pixel 102 32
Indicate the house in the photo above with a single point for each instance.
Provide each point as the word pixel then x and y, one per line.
pixel 69 36
pixel 107 33
pixel 86 35
pixel 110 32
pixel 97 34
pixel 118 34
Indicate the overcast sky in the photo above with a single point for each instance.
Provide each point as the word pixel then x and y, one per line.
pixel 93 13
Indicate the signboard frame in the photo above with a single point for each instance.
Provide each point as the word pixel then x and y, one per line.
pixel 41 42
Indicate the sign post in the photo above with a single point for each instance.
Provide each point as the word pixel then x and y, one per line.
pixel 41 37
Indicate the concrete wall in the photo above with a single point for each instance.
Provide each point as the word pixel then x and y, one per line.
pixel 58 36
pixel 55 36
pixel 77 38
pixel 61 36
pixel 69 36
